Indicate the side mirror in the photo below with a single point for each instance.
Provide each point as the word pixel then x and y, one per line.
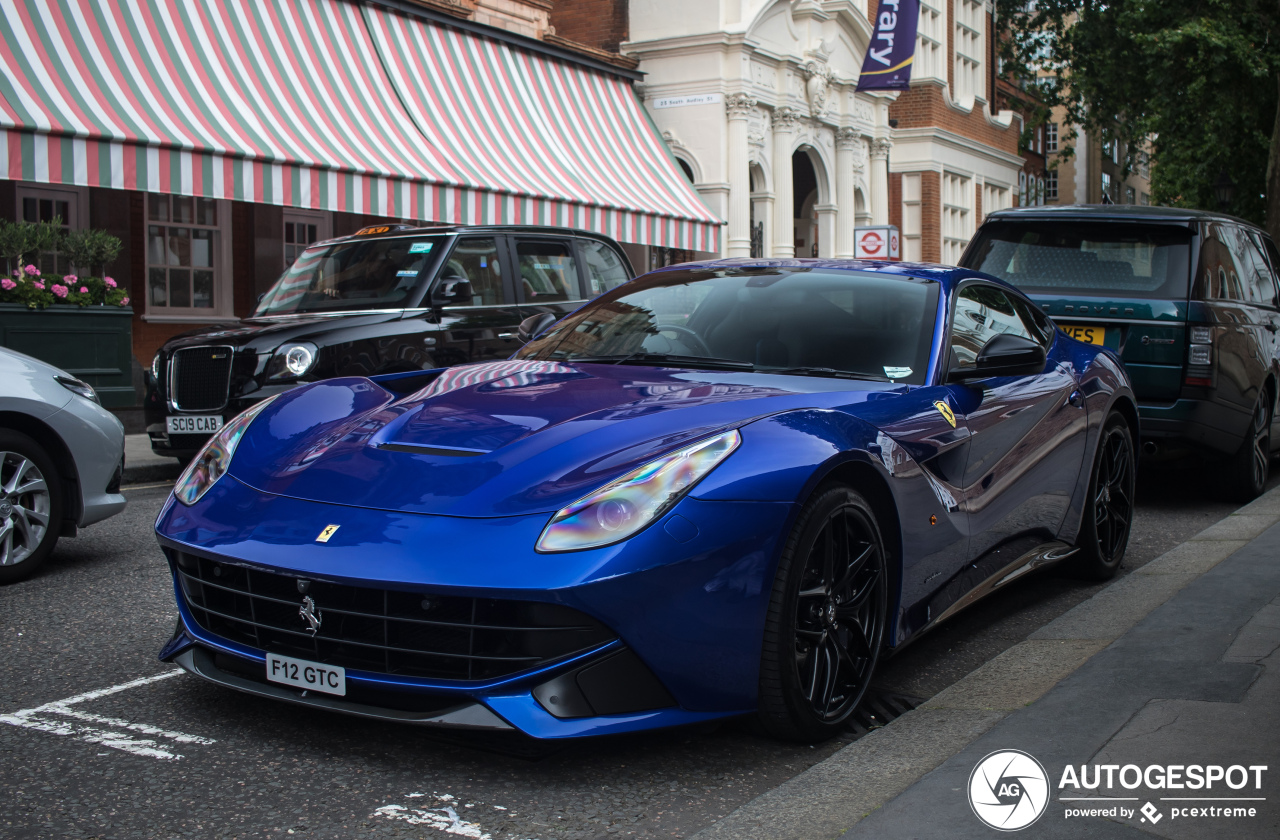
pixel 534 326
pixel 1003 355
pixel 452 290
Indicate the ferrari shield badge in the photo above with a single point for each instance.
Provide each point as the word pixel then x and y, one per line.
pixel 945 411
pixel 329 530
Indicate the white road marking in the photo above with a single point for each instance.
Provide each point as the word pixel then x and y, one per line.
pixel 442 818
pixel 106 733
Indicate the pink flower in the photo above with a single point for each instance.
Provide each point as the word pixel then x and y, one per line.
pixel 32 270
pixel 38 285
pixel 59 290
pixel 111 284
pixel 69 279
pixel 17 273
pixel 8 285
pixel 124 302
pixel 84 290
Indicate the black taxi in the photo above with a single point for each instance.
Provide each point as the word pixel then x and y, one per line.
pixel 386 299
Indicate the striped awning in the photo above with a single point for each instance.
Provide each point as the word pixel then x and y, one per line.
pixel 333 105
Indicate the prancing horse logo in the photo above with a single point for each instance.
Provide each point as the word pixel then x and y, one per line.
pixel 310 614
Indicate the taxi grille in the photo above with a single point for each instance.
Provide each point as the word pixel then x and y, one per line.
pixel 200 378
pixel 383 631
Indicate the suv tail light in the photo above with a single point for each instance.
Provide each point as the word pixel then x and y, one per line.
pixel 1200 358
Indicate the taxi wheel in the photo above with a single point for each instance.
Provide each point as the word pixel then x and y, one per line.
pixel 30 506
pixel 1108 514
pixel 825 625
pixel 1247 474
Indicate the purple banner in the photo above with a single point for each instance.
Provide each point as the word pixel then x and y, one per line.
pixel 893 46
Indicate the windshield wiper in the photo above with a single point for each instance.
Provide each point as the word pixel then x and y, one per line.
pixel 708 362
pixel 825 371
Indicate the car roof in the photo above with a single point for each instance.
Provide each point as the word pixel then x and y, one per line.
pixel 947 275
pixel 1114 212
pixel 396 231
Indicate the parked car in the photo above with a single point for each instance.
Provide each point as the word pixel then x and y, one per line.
pixel 1188 299
pixel 389 298
pixel 722 488
pixel 61 461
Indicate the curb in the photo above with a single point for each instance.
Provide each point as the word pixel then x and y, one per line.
pixel 830 797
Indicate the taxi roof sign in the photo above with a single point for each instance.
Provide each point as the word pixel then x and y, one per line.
pixel 374 230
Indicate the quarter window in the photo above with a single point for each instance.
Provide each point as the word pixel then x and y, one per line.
pixel 605 269
pixel 1218 276
pixel 184 261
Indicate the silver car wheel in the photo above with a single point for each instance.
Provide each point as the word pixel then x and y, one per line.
pixel 25 506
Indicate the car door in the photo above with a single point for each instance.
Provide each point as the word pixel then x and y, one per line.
pixel 547 275
pixel 1272 255
pixel 1026 433
pixel 475 300
pixel 1222 283
pixel 1260 295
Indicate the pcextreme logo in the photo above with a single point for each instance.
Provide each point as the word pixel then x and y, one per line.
pixel 1008 790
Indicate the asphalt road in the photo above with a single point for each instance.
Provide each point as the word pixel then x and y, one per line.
pixel 107 766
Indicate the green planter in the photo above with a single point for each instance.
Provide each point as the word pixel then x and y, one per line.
pixel 93 343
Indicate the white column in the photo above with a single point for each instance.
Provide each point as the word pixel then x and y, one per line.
pixel 784 210
pixel 846 202
pixel 827 218
pixel 880 180
pixel 738 161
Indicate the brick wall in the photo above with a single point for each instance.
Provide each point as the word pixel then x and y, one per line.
pixel 923 107
pixel 602 24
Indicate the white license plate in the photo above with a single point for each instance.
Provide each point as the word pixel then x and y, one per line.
pixel 299 673
pixel 196 424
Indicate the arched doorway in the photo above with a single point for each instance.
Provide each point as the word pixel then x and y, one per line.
pixel 804 185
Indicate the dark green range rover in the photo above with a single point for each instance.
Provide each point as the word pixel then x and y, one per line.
pixel 1188 299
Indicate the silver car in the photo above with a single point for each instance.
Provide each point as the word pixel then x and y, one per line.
pixel 61 461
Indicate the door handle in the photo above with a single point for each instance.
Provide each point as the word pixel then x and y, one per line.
pixel 1271 326
pixel 1076 399
pixel 506 335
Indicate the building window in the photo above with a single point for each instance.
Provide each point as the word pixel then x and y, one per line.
pixel 1130 195
pixel 1022 189
pixel 970 15
pixel 302 229
pixel 994 198
pixel 931 48
pixel 187 271
pixel 44 204
pixel 1051 186
pixel 1051 138
pixel 1106 189
pixel 957 216
pixel 1144 199
pixel 911 218
pixel 1040 191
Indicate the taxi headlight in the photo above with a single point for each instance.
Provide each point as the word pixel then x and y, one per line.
pixel 213 461
pixel 291 360
pixel 625 506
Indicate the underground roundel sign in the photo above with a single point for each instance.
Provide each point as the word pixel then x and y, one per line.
pixel 880 242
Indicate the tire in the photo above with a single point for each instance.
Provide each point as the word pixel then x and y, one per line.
pixel 1247 473
pixel 818 618
pixel 29 492
pixel 1108 515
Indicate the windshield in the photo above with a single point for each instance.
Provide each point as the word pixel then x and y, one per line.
pixel 360 274
pixel 1064 257
pixel 788 320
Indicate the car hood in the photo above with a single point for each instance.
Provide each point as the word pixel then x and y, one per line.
pixel 263 335
pixel 504 438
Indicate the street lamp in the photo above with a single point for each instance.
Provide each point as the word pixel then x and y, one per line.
pixel 1224 190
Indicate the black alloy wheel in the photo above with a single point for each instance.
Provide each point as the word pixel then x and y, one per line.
pixel 1247 475
pixel 1108 516
pixel 826 620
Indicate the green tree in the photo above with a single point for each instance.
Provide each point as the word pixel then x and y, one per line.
pixel 90 250
pixel 1199 79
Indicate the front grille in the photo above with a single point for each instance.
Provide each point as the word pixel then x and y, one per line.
pixel 200 378
pixel 384 631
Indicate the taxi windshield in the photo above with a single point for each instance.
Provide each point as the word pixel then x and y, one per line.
pixel 353 275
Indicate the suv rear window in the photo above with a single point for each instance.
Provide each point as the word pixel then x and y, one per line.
pixel 1089 258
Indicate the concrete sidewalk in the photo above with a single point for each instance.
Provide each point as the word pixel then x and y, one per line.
pixel 142 466
pixel 1175 664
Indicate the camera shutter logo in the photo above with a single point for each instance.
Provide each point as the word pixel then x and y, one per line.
pixel 1008 790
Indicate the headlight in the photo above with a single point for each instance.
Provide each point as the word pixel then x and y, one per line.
pixel 75 386
pixel 625 506
pixel 214 460
pixel 155 368
pixel 291 360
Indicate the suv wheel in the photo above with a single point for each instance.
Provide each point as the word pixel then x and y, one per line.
pixel 1250 468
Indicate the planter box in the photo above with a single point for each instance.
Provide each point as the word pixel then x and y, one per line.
pixel 94 344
